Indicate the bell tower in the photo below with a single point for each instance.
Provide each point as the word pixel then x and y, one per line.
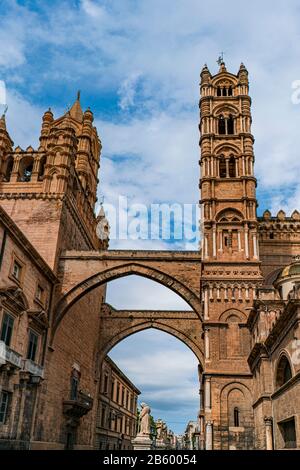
pixel 51 191
pixel 227 183
pixel 230 258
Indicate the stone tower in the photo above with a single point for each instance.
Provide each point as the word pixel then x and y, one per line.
pixel 50 192
pixel 231 266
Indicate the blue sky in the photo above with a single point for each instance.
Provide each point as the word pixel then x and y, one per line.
pixel 137 64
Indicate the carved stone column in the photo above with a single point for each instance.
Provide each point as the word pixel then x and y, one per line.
pixel 269 432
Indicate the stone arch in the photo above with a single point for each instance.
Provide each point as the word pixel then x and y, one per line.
pixel 158 325
pixel 229 213
pixel 226 149
pixel 235 394
pixel 233 311
pixel 105 276
pixel 225 110
pixel 283 369
pixel 227 79
pixel 25 168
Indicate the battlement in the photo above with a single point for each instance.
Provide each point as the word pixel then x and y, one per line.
pixel 279 227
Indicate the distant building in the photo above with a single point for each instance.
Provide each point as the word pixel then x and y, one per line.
pixel 191 438
pixel 26 285
pixel 116 422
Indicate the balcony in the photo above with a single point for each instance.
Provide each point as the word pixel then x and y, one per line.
pixel 33 368
pixel 9 356
pixel 79 406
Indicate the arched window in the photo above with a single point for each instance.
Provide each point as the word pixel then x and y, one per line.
pixel 42 168
pixel 230 125
pixel 224 91
pixel 219 93
pixel 284 371
pixel 222 127
pixel 230 91
pixel 222 167
pixel 9 167
pixel 25 169
pixel 236 417
pixel 232 167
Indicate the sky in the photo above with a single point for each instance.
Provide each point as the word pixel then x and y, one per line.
pixel 137 64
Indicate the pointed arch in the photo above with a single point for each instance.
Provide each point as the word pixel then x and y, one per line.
pixel 284 370
pixel 158 325
pixel 103 277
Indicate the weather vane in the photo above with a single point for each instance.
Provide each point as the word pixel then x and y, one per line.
pixel 220 58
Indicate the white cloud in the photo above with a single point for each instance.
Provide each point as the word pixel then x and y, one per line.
pixel 93 9
pixel 166 373
pixel 135 292
pixel 127 91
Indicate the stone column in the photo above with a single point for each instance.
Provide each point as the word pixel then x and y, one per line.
pixel 209 436
pixel 206 343
pixel 269 432
pixel 206 312
pixel 239 241
pixel 254 246
pixel 246 241
pixel 207 394
pixel 214 242
pixel 205 246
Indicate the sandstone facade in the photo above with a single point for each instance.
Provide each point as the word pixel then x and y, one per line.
pixel 233 284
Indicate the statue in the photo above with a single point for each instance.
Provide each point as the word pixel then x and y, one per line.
pixel 145 420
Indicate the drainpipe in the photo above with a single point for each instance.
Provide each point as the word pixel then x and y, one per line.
pixel 3 246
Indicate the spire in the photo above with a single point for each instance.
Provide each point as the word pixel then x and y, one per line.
pixel 205 74
pixel 243 74
pixel 76 110
pixel 222 67
pixel 243 68
pixel 3 122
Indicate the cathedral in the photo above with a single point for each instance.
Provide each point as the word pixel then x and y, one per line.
pixel 242 286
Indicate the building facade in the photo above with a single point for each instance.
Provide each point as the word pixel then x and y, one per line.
pixel 116 423
pixel 243 322
pixel 26 288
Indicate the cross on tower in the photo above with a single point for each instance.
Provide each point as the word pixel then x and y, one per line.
pixel 221 58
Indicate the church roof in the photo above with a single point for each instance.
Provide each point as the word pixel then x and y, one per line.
pixel 292 269
pixel 76 110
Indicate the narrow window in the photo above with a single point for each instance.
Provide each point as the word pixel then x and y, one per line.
pixel 222 129
pixel 4 402
pixel 40 293
pixel 105 386
pixel 284 372
pixel 230 91
pixel 42 168
pixel 236 416
pixel 219 91
pixel 222 168
pixel 32 345
pixel 16 272
pixel 118 393
pixel 112 389
pixel 7 328
pixel 224 91
pixel 230 125
pixel 232 167
pixel 103 413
